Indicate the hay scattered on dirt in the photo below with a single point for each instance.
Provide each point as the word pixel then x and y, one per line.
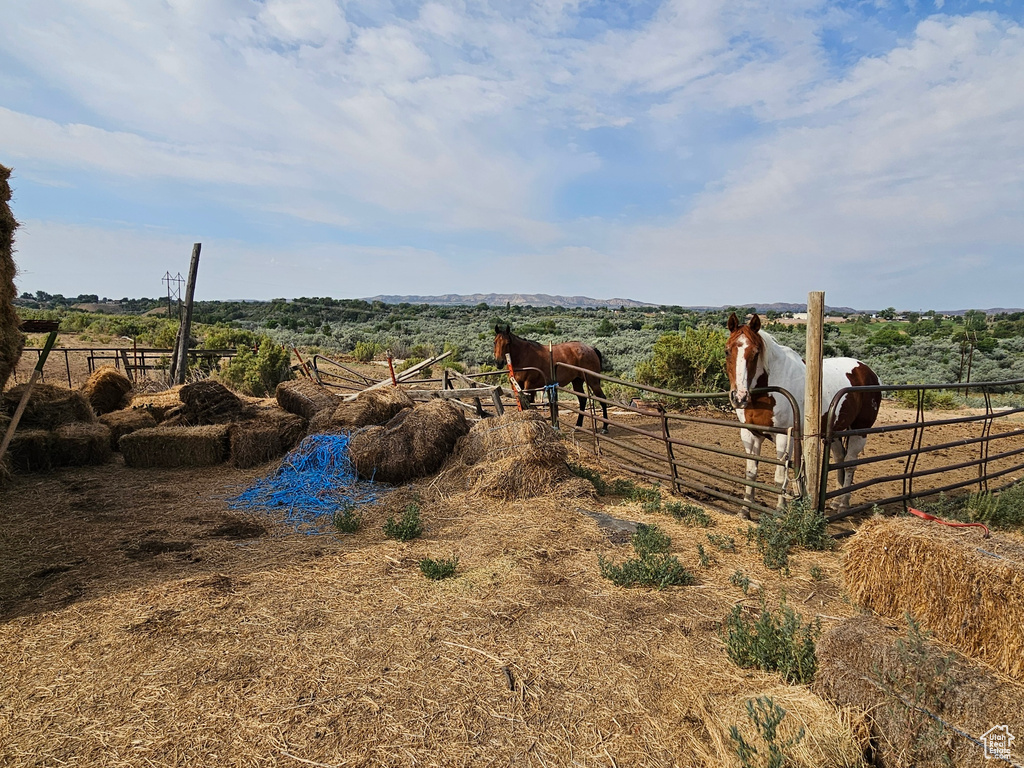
pixel 208 402
pixel 414 444
pixel 29 450
pixel 157 404
pixel 374 407
pixel 11 339
pixel 861 664
pixel 304 398
pixel 76 445
pixel 49 406
pixel 176 446
pixel 967 590
pixel 107 390
pixel 125 422
pixel 514 456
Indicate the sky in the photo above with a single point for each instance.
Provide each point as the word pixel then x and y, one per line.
pixel 689 152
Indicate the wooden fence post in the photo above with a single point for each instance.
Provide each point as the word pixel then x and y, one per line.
pixel 812 395
pixel 181 357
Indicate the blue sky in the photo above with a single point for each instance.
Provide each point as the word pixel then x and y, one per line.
pixel 690 152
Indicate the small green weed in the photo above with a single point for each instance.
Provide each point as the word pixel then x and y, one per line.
pixel 816 573
pixel 774 641
pixel 741 580
pixel 705 559
pixel 407 527
pixel 722 542
pixel 652 567
pixel 690 514
pixel 633 492
pixel 797 525
pixel 438 569
pixel 766 716
pixel 650 540
pixel 346 519
pixel 592 475
pixel 1002 510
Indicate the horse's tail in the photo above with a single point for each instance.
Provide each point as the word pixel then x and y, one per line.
pixel 600 360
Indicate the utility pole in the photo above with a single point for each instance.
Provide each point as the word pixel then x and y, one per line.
pixel 173 294
pixel 812 393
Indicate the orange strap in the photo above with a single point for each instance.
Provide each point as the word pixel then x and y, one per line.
pixel 515 386
pixel 933 518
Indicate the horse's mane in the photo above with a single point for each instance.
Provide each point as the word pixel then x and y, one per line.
pixel 777 349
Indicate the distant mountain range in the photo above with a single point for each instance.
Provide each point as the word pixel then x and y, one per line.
pixel 547 300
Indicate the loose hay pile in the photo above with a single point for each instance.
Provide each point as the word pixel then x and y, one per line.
pixel 125 422
pixel 80 444
pixel 11 338
pixel 176 446
pixel 967 590
pixel 415 443
pixel 49 406
pixel 158 404
pixel 304 398
pixel 373 407
pixel 907 686
pixel 514 456
pixel 107 390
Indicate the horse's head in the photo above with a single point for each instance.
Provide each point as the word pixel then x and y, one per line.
pixel 502 342
pixel 744 359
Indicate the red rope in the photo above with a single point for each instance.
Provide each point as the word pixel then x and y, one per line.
pixel 933 518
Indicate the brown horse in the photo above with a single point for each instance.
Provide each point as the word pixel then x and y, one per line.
pixel 533 366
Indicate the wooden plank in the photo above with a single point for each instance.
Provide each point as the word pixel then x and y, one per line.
pixel 408 373
pixel 453 394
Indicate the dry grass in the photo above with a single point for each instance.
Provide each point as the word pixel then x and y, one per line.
pixel 304 398
pixel 49 406
pixel 125 422
pixel 107 390
pixel 413 444
pixel 861 664
pixel 967 590
pixel 176 446
pixel 372 408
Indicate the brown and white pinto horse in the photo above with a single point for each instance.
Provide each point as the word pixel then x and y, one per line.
pixel 754 359
pixel 529 355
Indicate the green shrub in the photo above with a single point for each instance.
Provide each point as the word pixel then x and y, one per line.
pixel 774 642
pixel 690 514
pixel 650 540
pixel 797 525
pixel 933 399
pixel 438 569
pixel 592 475
pixel 692 362
pixel 407 527
pixel 633 492
pixel 652 567
pixel 766 716
pixel 722 542
pixel 365 351
pixel 347 520
pixel 258 374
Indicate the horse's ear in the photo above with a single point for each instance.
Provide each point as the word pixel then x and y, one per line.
pixel 734 322
pixel 508 329
pixel 755 323
pixel 497 329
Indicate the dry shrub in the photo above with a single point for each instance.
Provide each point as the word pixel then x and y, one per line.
pixel 514 456
pixel 413 444
pixel 123 423
pixel 76 445
pixel 208 402
pixel 833 737
pixel 11 339
pixel 49 406
pixel 107 390
pixel 864 663
pixel 29 450
pixel 374 407
pixel 157 404
pixel 255 442
pixel 967 590
pixel 304 398
pixel 176 446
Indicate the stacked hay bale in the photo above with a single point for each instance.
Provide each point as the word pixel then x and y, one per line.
pixel 107 390
pixel 11 339
pixel 967 590
pixel 125 422
pixel 49 406
pixel 373 407
pixel 269 433
pixel 514 456
pixel 928 706
pixel 207 402
pixel 159 405
pixel 415 443
pixel 304 398
pixel 176 446
pixel 57 429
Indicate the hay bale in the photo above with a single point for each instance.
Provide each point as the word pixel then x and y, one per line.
pixel 176 446
pixel 125 422
pixel 414 444
pixel 11 339
pixel 157 404
pixel 374 407
pixel 77 445
pixel 304 398
pixel 107 390
pixel 255 442
pixel 209 402
pixel 29 450
pixel 6 472
pixel 967 590
pixel 522 435
pixel 881 669
pixel 49 406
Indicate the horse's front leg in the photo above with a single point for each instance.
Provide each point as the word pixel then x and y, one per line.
pixel 783 443
pixel 752 445
pixel 855 444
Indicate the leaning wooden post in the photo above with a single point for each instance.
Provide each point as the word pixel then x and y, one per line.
pixel 186 324
pixel 812 395
pixel 37 374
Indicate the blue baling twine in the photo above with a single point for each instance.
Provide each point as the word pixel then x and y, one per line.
pixel 314 481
